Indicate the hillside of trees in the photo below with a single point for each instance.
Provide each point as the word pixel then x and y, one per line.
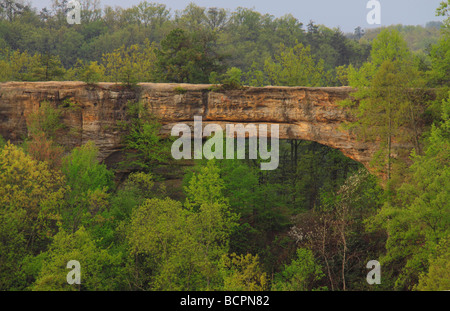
pixel 312 224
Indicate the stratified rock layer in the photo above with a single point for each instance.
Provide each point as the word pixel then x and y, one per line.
pixel 92 112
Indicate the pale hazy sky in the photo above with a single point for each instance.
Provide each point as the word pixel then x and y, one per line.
pixel 347 14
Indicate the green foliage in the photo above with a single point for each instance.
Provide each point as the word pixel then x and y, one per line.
pixel 212 214
pixel 187 58
pixel 294 67
pixel 22 66
pixel 111 214
pixel 438 276
pixel 257 202
pixel 418 38
pixel 255 76
pixel 386 104
pixel 88 181
pixel 131 65
pixel 146 148
pixel 182 246
pixel 90 72
pixel 83 171
pixel 243 273
pixel 193 43
pixel 46 119
pixel 439 75
pixel 334 230
pixel 50 68
pixel 14 64
pixel 12 250
pixel 159 230
pixel 99 270
pixel 180 90
pixel 311 213
pixel 134 191
pixel 231 80
pixel 301 274
pixel 205 188
pixel 444 10
pixel 418 217
pixel 30 198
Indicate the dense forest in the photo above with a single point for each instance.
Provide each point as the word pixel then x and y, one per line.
pixel 312 224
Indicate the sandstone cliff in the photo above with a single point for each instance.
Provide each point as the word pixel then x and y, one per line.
pixel 92 112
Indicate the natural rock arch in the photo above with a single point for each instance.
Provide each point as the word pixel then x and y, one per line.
pixel 301 112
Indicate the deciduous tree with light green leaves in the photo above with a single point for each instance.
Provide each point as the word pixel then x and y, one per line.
pixel 439 75
pixel 418 218
pixel 31 196
pixel 99 270
pixel 387 111
pixel 300 274
pixel 89 72
pixel 132 64
pixel 161 246
pixel 146 149
pixel 212 216
pixel 243 273
pixel 87 180
pixel 437 278
pixel 444 10
pixel 294 66
pixel 176 247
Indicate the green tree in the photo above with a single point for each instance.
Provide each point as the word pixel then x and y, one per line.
pixel 135 190
pixel 257 202
pixel 335 230
pixel 44 125
pixel 146 148
pixel 87 179
pixel 180 248
pixel 50 68
pixel 131 65
pixel 46 119
pixel 439 75
pixel 90 72
pixel 98 269
pixel 386 105
pixel 444 10
pixel 31 196
pixel 232 79
pixel 418 218
pixel 255 76
pixel 243 273
pixel 301 274
pixel 161 246
pixel 438 276
pixel 18 66
pixel 23 66
pixel 188 58
pixel 212 220
pixel 294 67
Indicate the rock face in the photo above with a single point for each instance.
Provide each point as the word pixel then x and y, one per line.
pixel 89 113
pixel 92 112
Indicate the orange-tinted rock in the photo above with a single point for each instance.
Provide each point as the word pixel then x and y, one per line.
pixel 302 113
